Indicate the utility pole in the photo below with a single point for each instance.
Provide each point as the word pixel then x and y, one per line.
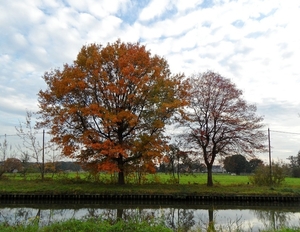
pixel 43 157
pixel 270 158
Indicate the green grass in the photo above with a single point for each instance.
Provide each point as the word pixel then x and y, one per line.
pixel 90 225
pixel 284 230
pixel 135 224
pixel 200 178
pixel 73 183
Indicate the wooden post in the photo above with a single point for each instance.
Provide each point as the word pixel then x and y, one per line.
pixel 43 156
pixel 270 158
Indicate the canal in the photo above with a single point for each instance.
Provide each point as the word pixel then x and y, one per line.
pixel 177 215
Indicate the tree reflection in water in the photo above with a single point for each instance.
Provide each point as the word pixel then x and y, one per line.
pixel 272 219
pixel 211 221
pixel 180 217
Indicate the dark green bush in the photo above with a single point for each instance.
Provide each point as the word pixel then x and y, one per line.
pixel 296 172
pixel 263 177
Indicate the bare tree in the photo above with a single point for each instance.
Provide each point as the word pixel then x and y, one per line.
pixel 24 158
pixel 6 152
pixel 28 135
pixel 176 157
pixel 3 150
pixel 220 122
pixel 54 156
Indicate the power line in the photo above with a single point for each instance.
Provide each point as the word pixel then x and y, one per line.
pixel 285 132
pixel 8 135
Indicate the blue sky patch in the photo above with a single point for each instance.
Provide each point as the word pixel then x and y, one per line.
pixel 238 23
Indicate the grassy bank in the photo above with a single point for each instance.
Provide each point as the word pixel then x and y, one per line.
pixel 74 183
pixel 91 225
pixel 156 184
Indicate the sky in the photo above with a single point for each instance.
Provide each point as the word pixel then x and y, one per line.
pixel 255 43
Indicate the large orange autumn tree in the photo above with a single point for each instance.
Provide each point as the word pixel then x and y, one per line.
pixel 110 107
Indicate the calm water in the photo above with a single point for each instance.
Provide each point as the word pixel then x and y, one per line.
pixel 186 216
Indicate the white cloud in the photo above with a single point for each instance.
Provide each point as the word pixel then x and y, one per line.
pixel 255 43
pixel 155 8
pixel 183 5
pixel 99 9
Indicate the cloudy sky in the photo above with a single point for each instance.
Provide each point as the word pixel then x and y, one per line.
pixel 255 43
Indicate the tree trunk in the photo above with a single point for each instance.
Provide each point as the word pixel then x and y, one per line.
pixel 211 223
pixel 209 176
pixel 119 214
pixel 121 178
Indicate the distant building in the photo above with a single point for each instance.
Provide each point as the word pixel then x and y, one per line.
pixel 216 169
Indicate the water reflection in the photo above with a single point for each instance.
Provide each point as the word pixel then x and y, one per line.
pixel 179 216
pixel 273 219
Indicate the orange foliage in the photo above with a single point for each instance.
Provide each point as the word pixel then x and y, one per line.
pixel 113 102
pixel 107 166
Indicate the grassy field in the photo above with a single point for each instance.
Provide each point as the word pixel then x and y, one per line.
pixel 199 178
pixel 74 183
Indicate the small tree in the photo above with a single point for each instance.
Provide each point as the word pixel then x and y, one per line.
pixel 30 143
pixel 6 152
pixel 53 158
pixel 24 158
pixel 3 150
pixel 176 157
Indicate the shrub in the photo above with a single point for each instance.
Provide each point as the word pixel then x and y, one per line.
pixel 262 176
